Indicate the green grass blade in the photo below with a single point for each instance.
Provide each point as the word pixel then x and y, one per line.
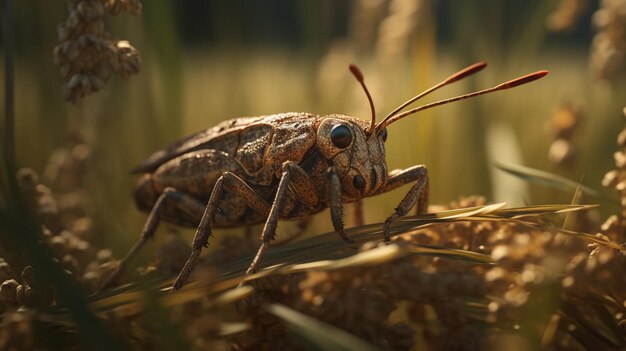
pixel 544 178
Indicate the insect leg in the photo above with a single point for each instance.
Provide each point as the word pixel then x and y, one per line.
pixel 228 181
pixel 269 229
pixel 181 200
pixel 294 178
pixel 418 194
pixel 336 207
pixel 301 184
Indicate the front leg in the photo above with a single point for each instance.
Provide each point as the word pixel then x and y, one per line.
pixel 336 206
pixel 418 194
pixel 169 196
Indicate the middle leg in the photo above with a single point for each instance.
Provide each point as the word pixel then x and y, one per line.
pixel 302 187
pixel 228 181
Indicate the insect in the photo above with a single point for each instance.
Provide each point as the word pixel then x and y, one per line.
pixel 264 169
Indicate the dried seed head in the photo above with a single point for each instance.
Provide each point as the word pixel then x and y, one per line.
pixel 610 225
pixel 90 11
pixel 70 263
pixel 86 55
pixel 621 138
pixel 566 15
pixel 5 270
pixel 8 295
pixel 565 120
pixel 117 6
pixel 608 47
pixel 28 275
pixel 620 159
pixel 129 61
pixel 396 30
pixel 104 255
pixel 611 178
pixel 562 152
pixel 24 295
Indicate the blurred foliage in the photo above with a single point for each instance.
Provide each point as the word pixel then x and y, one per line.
pixel 207 61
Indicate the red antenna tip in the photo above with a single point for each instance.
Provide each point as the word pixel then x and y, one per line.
pixel 356 72
pixel 466 72
pixel 523 80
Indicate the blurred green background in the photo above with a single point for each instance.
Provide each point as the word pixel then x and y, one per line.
pixel 207 61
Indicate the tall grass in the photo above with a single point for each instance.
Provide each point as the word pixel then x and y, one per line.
pixel 185 87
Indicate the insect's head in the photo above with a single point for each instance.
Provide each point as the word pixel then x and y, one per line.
pixel 358 156
pixel 356 148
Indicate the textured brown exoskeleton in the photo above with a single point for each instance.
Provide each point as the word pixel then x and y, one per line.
pixel 252 170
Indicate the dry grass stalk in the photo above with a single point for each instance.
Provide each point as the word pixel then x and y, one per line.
pixel 615 226
pixel 396 30
pixel 392 296
pixel 566 15
pixel 608 48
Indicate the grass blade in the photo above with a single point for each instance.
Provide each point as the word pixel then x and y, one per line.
pixel 538 210
pixel 544 178
pixel 328 252
pixel 320 335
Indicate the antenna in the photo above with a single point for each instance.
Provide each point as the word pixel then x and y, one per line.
pixel 503 86
pixel 356 72
pixel 467 71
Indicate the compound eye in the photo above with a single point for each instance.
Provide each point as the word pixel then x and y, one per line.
pixel 383 135
pixel 359 183
pixel 341 136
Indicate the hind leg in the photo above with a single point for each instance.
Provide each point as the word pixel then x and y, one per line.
pixel 169 197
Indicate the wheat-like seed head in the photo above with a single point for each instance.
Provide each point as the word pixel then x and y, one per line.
pixel 608 48
pixel 86 55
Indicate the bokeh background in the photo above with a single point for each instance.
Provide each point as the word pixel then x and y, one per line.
pixel 207 61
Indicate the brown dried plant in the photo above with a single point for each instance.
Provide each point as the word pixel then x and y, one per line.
pixel 444 304
pixel 608 48
pixel 566 15
pixel 86 54
pixel 615 226
pixel 464 284
pixel 566 119
pixel 397 29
